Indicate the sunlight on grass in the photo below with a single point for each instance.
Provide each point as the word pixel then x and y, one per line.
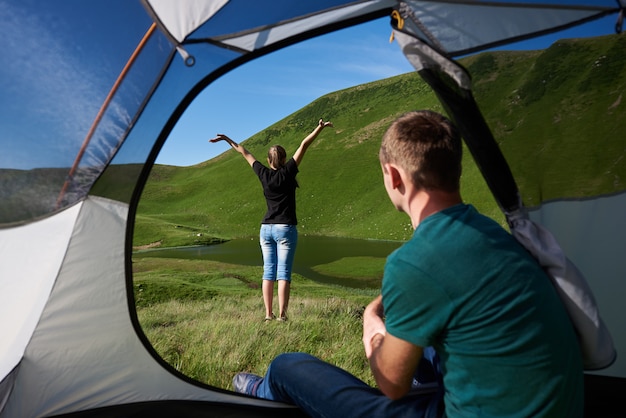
pixel 211 340
pixel 354 267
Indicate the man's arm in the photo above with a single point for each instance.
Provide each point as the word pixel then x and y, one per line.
pixel 393 361
pixel 238 147
pixel 299 154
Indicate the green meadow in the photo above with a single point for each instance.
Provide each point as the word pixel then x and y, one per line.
pixel 205 318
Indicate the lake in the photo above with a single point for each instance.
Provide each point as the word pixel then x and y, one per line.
pixel 312 254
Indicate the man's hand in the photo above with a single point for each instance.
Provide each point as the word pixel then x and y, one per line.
pixel 392 360
pixel 373 325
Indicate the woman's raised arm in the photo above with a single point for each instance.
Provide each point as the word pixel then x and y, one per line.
pixel 238 147
pixel 299 154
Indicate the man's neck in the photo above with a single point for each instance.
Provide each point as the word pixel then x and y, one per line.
pixel 428 202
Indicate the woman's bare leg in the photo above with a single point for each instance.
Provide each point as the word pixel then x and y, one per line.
pixel 284 288
pixel 268 297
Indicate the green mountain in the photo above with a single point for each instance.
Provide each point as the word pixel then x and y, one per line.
pixel 543 107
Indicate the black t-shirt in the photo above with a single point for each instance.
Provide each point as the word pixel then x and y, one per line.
pixel 279 189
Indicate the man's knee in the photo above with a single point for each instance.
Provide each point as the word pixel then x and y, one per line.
pixel 287 364
pixel 287 360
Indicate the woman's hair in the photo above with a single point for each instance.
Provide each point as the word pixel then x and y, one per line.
pixel 428 147
pixel 276 156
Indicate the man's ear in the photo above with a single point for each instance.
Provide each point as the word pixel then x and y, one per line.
pixel 394 175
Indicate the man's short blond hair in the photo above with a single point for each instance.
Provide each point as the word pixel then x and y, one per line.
pixel 427 146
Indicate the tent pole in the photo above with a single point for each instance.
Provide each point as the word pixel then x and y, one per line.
pixel 103 108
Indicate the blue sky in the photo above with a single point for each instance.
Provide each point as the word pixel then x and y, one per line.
pixel 266 90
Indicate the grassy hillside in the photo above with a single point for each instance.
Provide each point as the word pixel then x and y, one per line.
pixel 542 106
pixel 559 115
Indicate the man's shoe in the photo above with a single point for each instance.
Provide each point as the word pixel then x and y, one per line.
pixel 246 383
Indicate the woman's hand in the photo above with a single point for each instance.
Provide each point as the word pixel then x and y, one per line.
pixel 299 154
pixel 237 147
pixel 220 137
pixel 323 124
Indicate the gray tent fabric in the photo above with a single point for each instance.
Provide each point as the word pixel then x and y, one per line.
pixel 6 385
pixel 461 27
pixel 595 339
pixel 76 153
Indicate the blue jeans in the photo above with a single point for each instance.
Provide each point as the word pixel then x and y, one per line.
pixel 278 245
pixel 323 390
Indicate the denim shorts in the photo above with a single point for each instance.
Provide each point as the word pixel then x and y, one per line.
pixel 278 245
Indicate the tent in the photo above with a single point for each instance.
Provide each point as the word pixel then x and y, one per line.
pixel 90 92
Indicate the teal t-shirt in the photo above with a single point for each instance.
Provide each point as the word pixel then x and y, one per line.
pixel 465 286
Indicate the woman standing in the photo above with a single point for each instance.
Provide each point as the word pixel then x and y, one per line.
pixel 278 236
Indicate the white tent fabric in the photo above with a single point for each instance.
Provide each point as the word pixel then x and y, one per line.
pixel 181 21
pixel 27 273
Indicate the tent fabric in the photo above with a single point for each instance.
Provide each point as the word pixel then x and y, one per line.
pixel 242 21
pixel 252 41
pixel 181 21
pixel 27 274
pixel 6 387
pixel 423 57
pixel 460 27
pixel 71 342
pixel 601 225
pixel 595 339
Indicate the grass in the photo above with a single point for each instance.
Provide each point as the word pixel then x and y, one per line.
pixel 206 319
pixel 367 270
